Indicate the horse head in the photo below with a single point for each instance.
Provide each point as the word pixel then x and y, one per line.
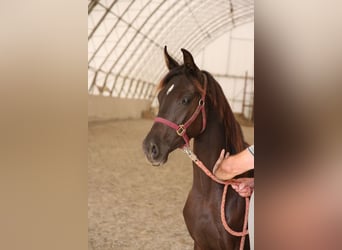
pixel 181 114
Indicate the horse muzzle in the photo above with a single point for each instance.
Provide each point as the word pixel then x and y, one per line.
pixel 155 153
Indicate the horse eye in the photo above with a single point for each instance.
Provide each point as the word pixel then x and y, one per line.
pixel 185 100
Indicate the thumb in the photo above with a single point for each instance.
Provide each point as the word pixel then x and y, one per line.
pixel 222 154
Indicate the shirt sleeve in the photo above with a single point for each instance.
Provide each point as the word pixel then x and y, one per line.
pixel 251 149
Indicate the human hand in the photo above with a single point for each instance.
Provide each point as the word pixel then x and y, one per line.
pixel 244 186
pixel 226 167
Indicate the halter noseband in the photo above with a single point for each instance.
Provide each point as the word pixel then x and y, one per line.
pixel 181 128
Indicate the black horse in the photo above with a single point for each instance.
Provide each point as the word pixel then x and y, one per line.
pixel 193 105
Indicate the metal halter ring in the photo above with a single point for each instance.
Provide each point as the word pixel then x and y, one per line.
pixel 201 102
pixel 181 130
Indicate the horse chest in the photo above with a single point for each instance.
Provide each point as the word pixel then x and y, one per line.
pixel 202 217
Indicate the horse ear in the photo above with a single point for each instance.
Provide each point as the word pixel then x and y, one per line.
pixel 189 62
pixel 170 62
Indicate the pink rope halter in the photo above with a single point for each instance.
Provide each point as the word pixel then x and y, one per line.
pixel 181 128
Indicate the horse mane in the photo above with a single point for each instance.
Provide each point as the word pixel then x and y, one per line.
pixel 234 138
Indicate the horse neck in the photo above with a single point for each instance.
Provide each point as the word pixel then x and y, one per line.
pixel 207 147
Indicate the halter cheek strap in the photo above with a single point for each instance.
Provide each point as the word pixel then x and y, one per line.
pixel 181 128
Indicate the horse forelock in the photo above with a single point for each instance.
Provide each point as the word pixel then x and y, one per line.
pixel 180 71
pixel 167 78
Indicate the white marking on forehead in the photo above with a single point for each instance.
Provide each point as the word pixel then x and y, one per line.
pixel 170 89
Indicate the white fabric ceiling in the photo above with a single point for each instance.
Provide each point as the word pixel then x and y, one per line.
pixel 126 38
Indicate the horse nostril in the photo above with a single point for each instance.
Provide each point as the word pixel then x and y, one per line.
pixel 154 151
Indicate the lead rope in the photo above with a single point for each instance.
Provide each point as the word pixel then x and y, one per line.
pixel 226 183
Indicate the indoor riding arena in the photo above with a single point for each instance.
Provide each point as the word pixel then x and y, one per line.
pixel 132 204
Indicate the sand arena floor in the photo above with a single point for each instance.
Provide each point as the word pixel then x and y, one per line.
pixel 132 205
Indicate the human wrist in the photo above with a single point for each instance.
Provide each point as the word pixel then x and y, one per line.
pixel 231 165
pixel 240 163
